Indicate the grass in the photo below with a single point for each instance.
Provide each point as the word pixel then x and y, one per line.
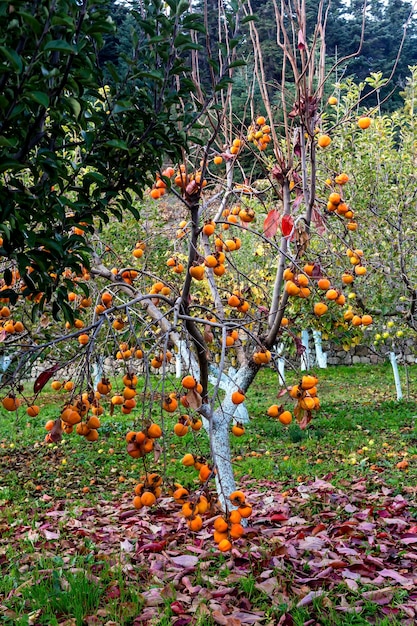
pixel 57 590
pixel 360 428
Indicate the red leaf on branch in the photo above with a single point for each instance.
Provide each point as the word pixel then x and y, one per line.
pixel 43 377
pixel 305 420
pixel 157 451
pixel 299 198
pixel 271 223
pixel 287 224
pixel 319 222
pixel 298 344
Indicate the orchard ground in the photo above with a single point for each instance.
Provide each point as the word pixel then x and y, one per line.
pixel 332 539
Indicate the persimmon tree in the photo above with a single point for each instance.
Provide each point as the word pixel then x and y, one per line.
pixel 207 308
pixel 382 161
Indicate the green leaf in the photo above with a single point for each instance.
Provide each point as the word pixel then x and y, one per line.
pixel 5 229
pixel 75 105
pixel 214 65
pixel 192 46
pixel 40 97
pixel 182 7
pixel 117 143
pixel 17 110
pixel 11 294
pixel 35 312
pixel 84 288
pixel 7 143
pixel 89 137
pixel 59 45
pixel 194 22
pixel 7 275
pixel 233 42
pixel 13 58
pixel 6 166
pixel 182 39
pixel 58 20
pixel 239 63
pixel 122 105
pixel 31 21
pixel 95 177
pixel 157 39
pixel 198 140
pixel 154 74
pixel 51 245
pixel 222 84
pixel 148 28
pixel 249 18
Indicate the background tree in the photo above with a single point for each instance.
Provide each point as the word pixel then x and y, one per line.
pixel 74 149
pixel 383 164
pixel 385 45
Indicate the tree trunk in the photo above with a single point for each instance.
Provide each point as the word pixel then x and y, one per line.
pixel 217 424
pixel 305 357
pixel 222 457
pixel 394 364
pixel 5 361
pixel 281 365
pixel 321 357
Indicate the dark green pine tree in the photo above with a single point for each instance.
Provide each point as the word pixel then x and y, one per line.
pixel 118 45
pixel 384 30
pixel 267 31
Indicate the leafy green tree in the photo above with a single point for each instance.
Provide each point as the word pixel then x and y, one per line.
pixel 72 148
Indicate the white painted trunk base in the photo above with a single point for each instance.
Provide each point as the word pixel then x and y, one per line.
pixel 5 361
pixel 394 364
pixel 305 357
pixel 321 357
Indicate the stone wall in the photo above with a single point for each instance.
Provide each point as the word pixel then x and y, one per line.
pixel 368 355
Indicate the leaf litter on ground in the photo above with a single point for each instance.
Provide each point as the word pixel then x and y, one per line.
pixel 313 542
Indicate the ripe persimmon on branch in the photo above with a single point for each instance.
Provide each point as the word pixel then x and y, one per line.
pixel 229 291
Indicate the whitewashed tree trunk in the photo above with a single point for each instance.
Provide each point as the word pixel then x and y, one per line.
pixel 222 456
pixel 394 364
pixel 5 361
pixel 321 357
pixel 305 357
pixel 217 423
pixel 281 364
pixel 98 370
pixel 281 371
pixel 228 385
pixel 178 366
pixel 186 356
